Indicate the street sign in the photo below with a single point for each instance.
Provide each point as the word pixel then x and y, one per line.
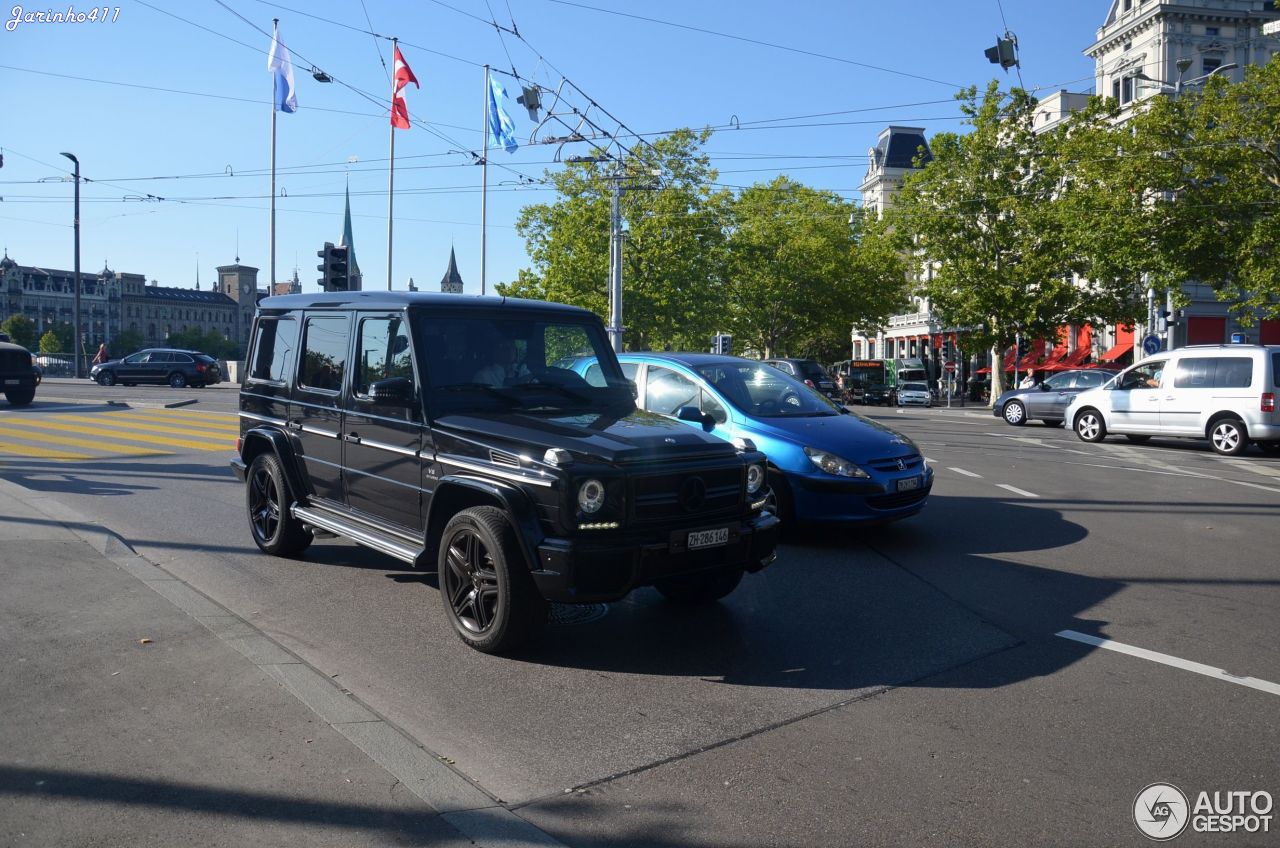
pixel 1152 344
pixel 950 366
pixel 1271 28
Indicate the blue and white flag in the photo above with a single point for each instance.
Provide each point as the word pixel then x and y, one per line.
pixel 279 62
pixel 501 129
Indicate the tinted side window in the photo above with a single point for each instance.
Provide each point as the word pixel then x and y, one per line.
pixel 273 351
pixel 594 375
pixel 1275 369
pixel 384 352
pixel 1234 373
pixel 161 356
pixel 667 391
pixel 1089 379
pixel 1194 374
pixel 180 357
pixel 629 370
pixel 324 353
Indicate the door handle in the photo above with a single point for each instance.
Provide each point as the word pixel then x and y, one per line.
pixel 293 425
pixel 352 437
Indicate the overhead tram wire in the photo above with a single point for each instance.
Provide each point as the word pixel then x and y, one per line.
pixel 754 41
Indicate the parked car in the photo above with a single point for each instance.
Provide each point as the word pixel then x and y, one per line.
pixel 809 372
pixel 17 374
pixel 913 394
pixel 1223 393
pixel 826 464
pixel 438 430
pixel 1048 401
pixel 178 368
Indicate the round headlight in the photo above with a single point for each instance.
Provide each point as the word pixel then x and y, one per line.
pixel 755 478
pixel 591 496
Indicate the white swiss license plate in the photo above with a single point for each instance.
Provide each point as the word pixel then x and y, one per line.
pixel 708 538
pixel 908 483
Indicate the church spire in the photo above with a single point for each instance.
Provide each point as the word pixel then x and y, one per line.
pixel 452 280
pixel 353 267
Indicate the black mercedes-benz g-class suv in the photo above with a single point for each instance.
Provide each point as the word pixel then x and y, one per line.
pixel 433 428
pixel 17 373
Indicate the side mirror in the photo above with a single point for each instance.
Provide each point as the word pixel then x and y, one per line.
pixel 1044 387
pixel 393 390
pixel 697 416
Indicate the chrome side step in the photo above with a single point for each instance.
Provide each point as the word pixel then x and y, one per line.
pixel 330 523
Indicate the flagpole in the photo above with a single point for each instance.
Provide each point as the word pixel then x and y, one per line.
pixel 484 177
pixel 275 82
pixel 391 172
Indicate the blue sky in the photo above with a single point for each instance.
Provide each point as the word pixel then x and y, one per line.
pixel 810 112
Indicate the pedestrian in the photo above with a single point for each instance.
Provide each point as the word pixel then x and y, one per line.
pixel 101 356
pixel 1029 381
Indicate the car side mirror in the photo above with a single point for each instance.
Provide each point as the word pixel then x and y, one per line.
pixel 393 390
pixel 1044 387
pixel 697 416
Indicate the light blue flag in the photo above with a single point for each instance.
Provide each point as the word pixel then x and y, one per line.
pixel 280 63
pixel 501 129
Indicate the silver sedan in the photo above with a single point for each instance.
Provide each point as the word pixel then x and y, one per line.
pixel 1048 401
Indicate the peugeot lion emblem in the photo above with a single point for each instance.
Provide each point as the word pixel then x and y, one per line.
pixel 902 466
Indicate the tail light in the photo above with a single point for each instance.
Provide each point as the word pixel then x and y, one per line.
pixel 810 384
pixel 1268 401
pixel 237 444
pixel 199 367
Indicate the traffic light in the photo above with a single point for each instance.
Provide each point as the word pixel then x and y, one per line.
pixel 1005 53
pixel 946 349
pixel 722 344
pixel 1024 347
pixel 333 266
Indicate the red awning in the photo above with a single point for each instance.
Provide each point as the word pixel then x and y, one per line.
pixel 1116 352
pixel 1072 360
pixel 983 371
pixel 1052 361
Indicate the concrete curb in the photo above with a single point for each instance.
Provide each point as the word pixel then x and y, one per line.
pixel 128 404
pixel 458 800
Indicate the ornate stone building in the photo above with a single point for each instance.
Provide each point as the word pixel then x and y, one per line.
pixel 112 302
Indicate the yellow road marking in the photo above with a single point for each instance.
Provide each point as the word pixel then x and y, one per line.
pixel 91 444
pixel 29 451
pixel 114 419
pixel 101 432
pixel 213 417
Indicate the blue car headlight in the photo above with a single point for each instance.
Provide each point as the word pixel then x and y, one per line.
pixel 833 464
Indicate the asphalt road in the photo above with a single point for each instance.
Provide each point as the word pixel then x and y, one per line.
pixel 899 685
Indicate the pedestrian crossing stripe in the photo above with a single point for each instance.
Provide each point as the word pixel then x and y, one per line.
pixel 19 432
pixel 145 424
pixel 103 430
pixel 35 451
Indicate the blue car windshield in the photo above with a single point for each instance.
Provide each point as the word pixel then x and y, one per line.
pixel 765 392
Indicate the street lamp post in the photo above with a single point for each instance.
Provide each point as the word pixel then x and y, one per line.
pixel 76 350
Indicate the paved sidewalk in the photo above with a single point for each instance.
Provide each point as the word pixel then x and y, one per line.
pixel 138 712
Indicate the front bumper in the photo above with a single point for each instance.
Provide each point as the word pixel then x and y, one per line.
pixel 828 499
pixel 599 569
pixel 240 468
pixel 25 380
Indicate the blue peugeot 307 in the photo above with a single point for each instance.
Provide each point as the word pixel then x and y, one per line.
pixel 825 463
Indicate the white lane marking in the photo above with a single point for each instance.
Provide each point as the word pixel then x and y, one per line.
pixel 976 415
pixel 1017 491
pixel 1254 486
pixel 1249 465
pixel 1176 662
pixel 965 473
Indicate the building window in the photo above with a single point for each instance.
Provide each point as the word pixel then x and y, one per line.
pixel 1211 64
pixel 1128 5
pixel 1126 90
pixel 1115 90
pixel 1210 30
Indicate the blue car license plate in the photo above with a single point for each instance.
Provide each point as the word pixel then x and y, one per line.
pixel 908 483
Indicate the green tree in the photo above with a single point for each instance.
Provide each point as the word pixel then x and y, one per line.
pixel 981 215
pixel 125 343
pixel 52 342
pixel 673 255
pixel 803 266
pixel 21 330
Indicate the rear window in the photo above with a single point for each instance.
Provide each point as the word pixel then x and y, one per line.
pixel 273 353
pixel 1214 372
pixel 812 371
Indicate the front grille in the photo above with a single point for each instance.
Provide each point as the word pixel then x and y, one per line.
pixel 898 500
pixel 14 360
pixel 909 462
pixel 687 493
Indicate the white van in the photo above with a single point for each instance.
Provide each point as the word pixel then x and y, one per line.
pixel 1223 393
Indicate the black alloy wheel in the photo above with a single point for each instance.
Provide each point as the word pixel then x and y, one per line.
pixel 488 595
pixel 274 528
pixel 106 378
pixel 178 380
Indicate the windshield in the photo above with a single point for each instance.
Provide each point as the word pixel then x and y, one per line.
pixel 764 392
pixel 516 364
pixel 810 370
pixel 913 387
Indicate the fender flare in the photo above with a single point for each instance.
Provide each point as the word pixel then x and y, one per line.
pixel 520 511
pixel 281 444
